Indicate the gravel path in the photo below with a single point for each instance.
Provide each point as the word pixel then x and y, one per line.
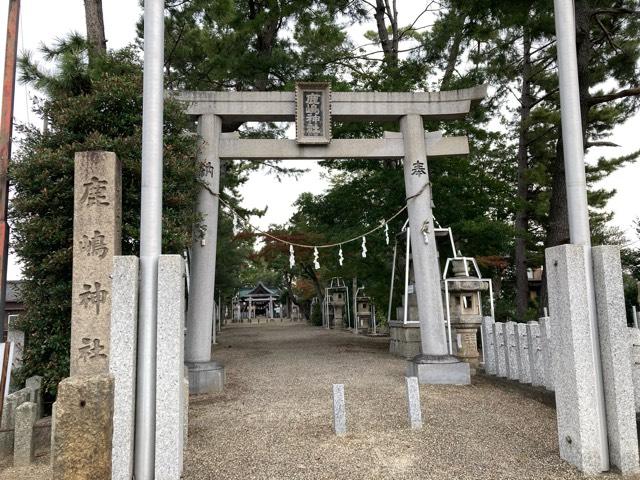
pixel 274 419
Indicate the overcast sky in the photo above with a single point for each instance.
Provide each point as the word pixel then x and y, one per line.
pixel 44 20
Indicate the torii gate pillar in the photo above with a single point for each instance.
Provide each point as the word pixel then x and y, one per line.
pixel 205 375
pixel 434 365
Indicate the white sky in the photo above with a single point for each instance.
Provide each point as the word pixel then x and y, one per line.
pixel 45 20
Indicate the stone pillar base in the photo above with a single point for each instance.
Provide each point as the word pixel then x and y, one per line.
pixel 205 377
pixel 439 370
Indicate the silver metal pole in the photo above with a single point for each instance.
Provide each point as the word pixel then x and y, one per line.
pixel 150 236
pixel 393 277
pixel 406 278
pixel 577 206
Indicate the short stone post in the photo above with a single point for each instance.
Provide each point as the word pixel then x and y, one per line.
pixel 616 355
pixel 546 344
pixel 522 349
pixel 26 416
pixel 511 355
pixel 83 428
pixel 170 368
pixel 34 385
pixel 535 354
pixel 339 410
pixel 413 402
pixel 581 439
pixel 488 344
pixel 500 349
pixel 122 364
pixel 11 404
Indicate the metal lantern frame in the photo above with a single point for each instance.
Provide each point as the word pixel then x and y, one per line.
pixel 335 286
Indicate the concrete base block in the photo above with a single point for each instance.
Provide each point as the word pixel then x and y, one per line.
pixel 439 370
pixel 581 440
pixel 404 339
pixel 205 377
pixel 83 429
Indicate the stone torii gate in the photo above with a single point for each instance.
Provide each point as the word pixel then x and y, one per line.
pixel 313 106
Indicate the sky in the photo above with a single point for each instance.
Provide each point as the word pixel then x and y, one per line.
pixel 45 20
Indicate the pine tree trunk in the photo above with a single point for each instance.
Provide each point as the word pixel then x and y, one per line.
pixel 522 215
pixel 95 27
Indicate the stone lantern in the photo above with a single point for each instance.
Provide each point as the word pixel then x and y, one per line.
pixel 338 302
pixel 363 314
pixel 465 290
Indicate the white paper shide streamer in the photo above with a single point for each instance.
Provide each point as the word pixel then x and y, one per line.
pixel 364 247
pixel 292 257
pixel 386 232
pixel 340 256
pixel 316 262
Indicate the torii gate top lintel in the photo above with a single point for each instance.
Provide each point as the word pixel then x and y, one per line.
pixel 345 106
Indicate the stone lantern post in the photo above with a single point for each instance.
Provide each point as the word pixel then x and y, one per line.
pixel 465 311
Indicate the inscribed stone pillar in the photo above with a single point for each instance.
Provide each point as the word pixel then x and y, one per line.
pixel 434 365
pixel 97 222
pixel 580 436
pixel 522 350
pixel 500 349
pixel 535 354
pixel 546 345
pixel 616 354
pixel 488 345
pixel 205 375
pixel 511 354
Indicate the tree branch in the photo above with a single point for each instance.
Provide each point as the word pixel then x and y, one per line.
pixel 629 92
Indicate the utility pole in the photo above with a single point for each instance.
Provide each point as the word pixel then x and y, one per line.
pixel 150 237
pixel 6 131
pixel 577 206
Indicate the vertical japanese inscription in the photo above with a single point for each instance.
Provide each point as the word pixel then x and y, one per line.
pixel 313 110
pixel 312 113
pixel 96 231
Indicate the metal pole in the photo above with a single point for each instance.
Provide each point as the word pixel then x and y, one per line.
pixel 6 132
pixel 393 277
pixel 406 278
pixel 635 317
pixel 150 236
pixel 577 206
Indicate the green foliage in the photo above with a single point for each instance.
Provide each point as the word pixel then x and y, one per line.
pixel 316 315
pixel 105 114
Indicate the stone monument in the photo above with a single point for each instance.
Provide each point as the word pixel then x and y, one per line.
pixel 83 414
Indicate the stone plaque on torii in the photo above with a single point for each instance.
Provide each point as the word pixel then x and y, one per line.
pixel 312 107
